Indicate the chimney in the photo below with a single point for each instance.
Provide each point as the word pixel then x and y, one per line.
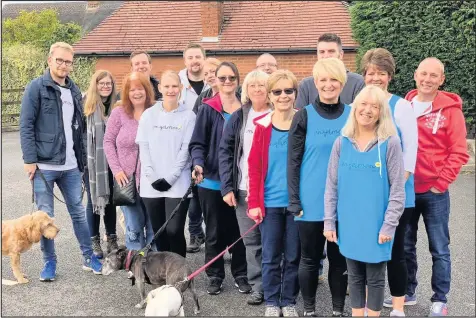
pixel 92 5
pixel 211 14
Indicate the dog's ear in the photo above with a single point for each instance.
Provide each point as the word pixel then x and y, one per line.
pixel 33 229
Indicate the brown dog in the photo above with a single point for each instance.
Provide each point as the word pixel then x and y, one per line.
pixel 19 235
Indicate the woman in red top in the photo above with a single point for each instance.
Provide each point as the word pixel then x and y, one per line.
pixel 268 197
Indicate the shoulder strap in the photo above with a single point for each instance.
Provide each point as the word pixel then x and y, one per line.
pixel 137 161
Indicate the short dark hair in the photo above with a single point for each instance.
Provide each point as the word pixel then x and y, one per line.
pixel 233 68
pixel 330 37
pixel 195 46
pixel 139 52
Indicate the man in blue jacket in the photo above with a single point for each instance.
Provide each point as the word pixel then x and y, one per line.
pixel 51 129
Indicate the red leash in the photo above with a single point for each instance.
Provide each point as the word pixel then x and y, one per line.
pixel 201 269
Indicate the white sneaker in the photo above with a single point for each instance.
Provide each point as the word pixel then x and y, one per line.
pixel 397 313
pixel 289 311
pixel 272 311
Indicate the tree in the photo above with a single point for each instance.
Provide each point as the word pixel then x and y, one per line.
pixel 414 30
pixel 40 29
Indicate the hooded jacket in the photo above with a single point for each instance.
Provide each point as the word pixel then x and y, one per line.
pixel 442 146
pixel 188 95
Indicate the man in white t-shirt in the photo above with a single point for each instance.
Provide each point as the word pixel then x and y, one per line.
pixel 51 131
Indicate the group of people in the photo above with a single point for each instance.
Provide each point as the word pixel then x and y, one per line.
pixel 337 159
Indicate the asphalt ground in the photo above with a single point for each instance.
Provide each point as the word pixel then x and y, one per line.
pixel 78 293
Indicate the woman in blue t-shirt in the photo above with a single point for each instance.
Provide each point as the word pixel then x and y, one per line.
pixel 268 197
pixel 365 194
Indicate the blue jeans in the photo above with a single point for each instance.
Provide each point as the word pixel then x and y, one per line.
pixel 69 183
pixel 435 209
pixel 139 231
pixel 195 216
pixel 279 233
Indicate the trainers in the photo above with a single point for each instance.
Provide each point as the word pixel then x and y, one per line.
pixel 409 301
pixel 195 243
pixel 397 313
pixel 309 314
pixel 272 311
pixel 214 287
pixel 339 314
pixel 96 245
pixel 438 309
pixel 92 264
pixel 48 274
pixel 242 284
pixel 289 311
pixel 111 243
pixel 256 298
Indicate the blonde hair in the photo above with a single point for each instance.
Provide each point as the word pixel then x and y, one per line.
pixel 385 126
pixel 253 77
pixel 332 67
pixel 93 99
pixel 213 61
pixel 60 45
pixel 174 75
pixel 282 75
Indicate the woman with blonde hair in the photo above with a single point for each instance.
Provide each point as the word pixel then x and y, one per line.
pixel 98 179
pixel 233 155
pixel 313 132
pixel 365 183
pixel 268 198
pixel 122 153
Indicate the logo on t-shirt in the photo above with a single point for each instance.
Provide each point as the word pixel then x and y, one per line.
pixel 282 142
pixel 359 166
pixel 168 127
pixel 327 132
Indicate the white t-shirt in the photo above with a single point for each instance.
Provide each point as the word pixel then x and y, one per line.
pixel 407 124
pixel 68 111
pixel 247 141
pixel 421 108
pixel 163 139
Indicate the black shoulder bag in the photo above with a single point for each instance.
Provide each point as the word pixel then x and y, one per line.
pixel 126 195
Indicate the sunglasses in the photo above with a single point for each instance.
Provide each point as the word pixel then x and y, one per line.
pixel 287 91
pixel 224 78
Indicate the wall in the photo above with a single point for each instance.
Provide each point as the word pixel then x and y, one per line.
pixel 300 64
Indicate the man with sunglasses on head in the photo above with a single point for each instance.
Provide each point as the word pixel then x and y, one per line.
pixel 51 129
pixel 192 78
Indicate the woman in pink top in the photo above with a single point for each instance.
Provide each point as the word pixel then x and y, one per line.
pixel 121 152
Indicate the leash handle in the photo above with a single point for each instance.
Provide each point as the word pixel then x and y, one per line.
pixel 204 267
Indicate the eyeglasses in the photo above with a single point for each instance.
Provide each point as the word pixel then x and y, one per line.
pixel 287 91
pixel 106 84
pixel 267 64
pixel 60 62
pixel 224 78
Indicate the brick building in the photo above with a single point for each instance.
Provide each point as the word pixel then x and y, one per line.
pixel 237 31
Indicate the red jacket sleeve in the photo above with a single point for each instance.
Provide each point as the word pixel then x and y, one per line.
pixel 457 149
pixel 255 169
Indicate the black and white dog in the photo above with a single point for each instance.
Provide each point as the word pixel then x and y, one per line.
pixel 155 268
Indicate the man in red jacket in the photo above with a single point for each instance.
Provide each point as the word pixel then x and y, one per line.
pixel 441 153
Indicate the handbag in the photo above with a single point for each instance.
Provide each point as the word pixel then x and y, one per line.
pixel 126 195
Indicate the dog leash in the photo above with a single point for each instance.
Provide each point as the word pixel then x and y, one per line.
pixel 204 267
pixel 162 228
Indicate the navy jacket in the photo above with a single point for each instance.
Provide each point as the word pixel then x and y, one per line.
pixel 42 134
pixel 206 137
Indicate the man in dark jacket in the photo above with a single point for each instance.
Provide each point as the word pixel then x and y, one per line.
pixel 142 62
pixel 51 126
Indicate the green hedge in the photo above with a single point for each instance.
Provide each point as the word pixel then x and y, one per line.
pixel 414 30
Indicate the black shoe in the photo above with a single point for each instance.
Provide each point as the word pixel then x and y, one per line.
pixel 111 243
pixel 339 314
pixel 256 298
pixel 195 243
pixel 242 284
pixel 214 287
pixel 309 314
pixel 96 245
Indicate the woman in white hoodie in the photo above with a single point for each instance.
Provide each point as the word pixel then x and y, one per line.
pixel 163 137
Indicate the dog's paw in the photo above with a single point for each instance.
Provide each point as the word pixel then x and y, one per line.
pixel 139 306
pixel 196 311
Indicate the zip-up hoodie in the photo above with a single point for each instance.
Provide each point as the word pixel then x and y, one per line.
pixel 441 142
pixel 188 94
pixel 206 137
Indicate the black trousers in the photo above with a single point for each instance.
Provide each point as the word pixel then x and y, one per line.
pixel 397 266
pixel 221 230
pixel 312 246
pixel 173 237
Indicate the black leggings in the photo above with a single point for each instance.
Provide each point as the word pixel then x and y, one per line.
pixel 159 210
pixel 312 246
pixel 397 266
